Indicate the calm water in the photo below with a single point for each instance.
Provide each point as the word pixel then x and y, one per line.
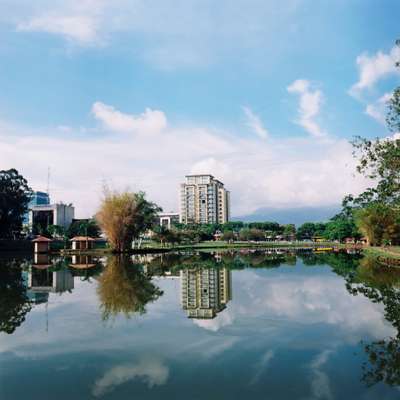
pixel 200 326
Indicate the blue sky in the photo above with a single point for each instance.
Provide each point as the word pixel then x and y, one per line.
pixel 263 95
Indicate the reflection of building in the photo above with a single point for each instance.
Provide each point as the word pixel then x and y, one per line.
pixel 82 261
pixel 52 214
pixel 168 219
pixel 42 280
pixel 204 200
pixel 205 292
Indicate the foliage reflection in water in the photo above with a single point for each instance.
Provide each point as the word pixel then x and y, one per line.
pixel 217 316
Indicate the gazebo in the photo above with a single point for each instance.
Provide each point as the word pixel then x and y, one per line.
pixel 42 244
pixel 82 243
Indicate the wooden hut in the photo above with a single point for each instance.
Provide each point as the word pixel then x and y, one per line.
pixel 42 244
pixel 82 243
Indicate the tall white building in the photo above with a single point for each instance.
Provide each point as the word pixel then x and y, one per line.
pixel 204 200
pixel 205 291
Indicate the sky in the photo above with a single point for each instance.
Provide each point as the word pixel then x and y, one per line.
pixel 265 96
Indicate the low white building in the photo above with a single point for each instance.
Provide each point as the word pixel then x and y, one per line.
pixel 168 219
pixel 51 214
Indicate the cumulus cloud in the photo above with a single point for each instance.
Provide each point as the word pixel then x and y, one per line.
pixel 279 173
pixel 309 107
pixel 152 372
pixel 377 110
pixel 149 122
pixel 374 68
pixel 255 124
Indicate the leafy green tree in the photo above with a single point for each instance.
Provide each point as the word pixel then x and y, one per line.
pixel 310 229
pixel 340 228
pixel 379 222
pixel 15 195
pixel 84 228
pixel 228 236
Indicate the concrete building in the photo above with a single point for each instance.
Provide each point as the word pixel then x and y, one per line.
pixel 38 199
pixel 205 292
pixel 204 200
pixel 168 219
pixel 51 214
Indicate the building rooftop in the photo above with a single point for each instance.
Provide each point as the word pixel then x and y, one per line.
pixel 41 239
pixel 82 239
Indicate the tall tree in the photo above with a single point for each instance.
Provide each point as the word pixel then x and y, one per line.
pixel 124 216
pixel 15 195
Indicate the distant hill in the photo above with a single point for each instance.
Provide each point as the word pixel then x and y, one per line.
pixel 295 216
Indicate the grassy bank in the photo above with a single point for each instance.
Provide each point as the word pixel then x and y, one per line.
pixel 154 247
pixel 389 252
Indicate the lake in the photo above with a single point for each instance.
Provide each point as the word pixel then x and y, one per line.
pixel 231 325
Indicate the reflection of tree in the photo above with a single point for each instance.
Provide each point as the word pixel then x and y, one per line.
pixel 125 288
pixel 381 285
pixel 14 303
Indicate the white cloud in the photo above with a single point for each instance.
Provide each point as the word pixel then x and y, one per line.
pixel 149 122
pixel 278 173
pixel 152 372
pixel 79 28
pixel 374 68
pixel 377 110
pixel 255 124
pixel 310 103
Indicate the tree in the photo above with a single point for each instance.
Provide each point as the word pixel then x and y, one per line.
pixel 310 229
pixel 124 217
pixel 228 236
pixel 379 223
pixel 15 195
pixel 84 228
pixel 341 227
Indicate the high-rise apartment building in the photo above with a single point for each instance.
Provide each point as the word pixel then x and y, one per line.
pixel 204 200
pixel 205 291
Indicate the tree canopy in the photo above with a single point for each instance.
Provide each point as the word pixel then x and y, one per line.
pixel 15 195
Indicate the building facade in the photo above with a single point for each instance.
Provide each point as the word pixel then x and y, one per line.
pixel 205 292
pixel 168 219
pixel 38 199
pixel 204 200
pixel 41 216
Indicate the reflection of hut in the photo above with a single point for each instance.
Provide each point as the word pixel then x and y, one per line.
pixel 82 262
pixel 42 244
pixel 82 243
pixel 41 260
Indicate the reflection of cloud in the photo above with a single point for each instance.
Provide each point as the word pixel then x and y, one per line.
pixel 223 319
pixel 320 385
pixel 309 300
pixel 152 372
pixel 262 365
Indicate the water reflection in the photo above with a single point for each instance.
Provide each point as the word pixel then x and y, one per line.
pixel 265 311
pixel 381 284
pixel 14 301
pixel 124 287
pixel 205 291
